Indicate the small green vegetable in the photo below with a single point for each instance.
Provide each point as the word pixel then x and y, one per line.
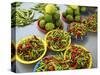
pixel 77 18
pixel 49 26
pixel 69 11
pixel 83 9
pixel 48 18
pixel 22 17
pixel 57 16
pixel 50 9
pixel 42 23
pixel 41 17
pixel 77 12
pixel 58 23
pixel 69 17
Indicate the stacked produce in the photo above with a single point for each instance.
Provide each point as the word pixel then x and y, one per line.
pixel 73 13
pixel 50 19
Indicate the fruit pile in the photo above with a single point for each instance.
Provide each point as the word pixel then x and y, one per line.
pixel 73 13
pixel 50 19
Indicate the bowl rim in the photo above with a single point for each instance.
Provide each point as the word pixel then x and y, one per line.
pixel 33 61
pixel 90 61
pixel 58 49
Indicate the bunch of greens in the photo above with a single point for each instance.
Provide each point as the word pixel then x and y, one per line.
pixel 58 40
pixel 21 17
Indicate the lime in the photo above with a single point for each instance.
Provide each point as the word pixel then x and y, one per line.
pixel 69 17
pixel 50 9
pixel 48 18
pixel 42 23
pixel 77 12
pixel 57 16
pixel 77 18
pixel 49 26
pixel 41 17
pixel 69 11
pixel 83 9
pixel 58 23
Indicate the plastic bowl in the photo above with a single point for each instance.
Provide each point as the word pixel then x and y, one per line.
pixel 90 61
pixel 78 39
pixel 38 63
pixel 33 61
pixel 69 42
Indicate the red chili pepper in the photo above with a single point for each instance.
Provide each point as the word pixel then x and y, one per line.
pixel 69 30
pixel 76 49
pixel 78 33
pixel 73 55
pixel 74 65
pixel 57 39
pixel 28 45
pixel 61 46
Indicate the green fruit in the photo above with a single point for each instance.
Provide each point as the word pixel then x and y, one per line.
pixel 83 9
pixel 69 17
pixel 50 9
pixel 77 18
pixel 57 16
pixel 48 18
pixel 69 11
pixel 58 23
pixel 41 17
pixel 42 23
pixel 77 12
pixel 49 26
